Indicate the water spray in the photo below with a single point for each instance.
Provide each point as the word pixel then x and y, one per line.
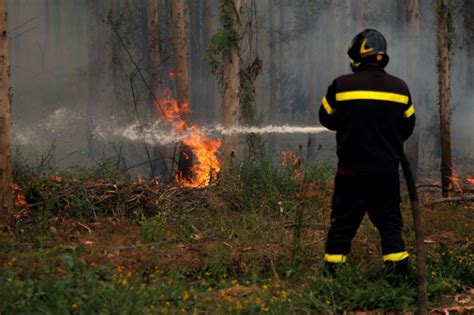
pixel 158 134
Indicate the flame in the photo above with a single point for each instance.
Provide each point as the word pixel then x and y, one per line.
pixel 455 182
pixel 206 165
pixel 470 180
pixel 172 74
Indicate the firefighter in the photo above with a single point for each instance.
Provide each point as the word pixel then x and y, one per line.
pixel 373 114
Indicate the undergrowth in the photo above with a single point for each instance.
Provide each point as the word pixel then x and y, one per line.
pixel 251 244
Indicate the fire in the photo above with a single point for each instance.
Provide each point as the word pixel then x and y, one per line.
pixel 455 182
pixel 206 165
pixel 470 180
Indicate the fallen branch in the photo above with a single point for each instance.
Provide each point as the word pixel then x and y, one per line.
pixel 450 199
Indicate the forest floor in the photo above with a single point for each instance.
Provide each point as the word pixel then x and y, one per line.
pixel 92 241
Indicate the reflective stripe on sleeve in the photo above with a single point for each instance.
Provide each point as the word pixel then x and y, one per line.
pixel 395 256
pixel 335 259
pixel 409 112
pixel 328 107
pixel 371 95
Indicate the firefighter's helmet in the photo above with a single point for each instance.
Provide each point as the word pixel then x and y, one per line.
pixel 368 46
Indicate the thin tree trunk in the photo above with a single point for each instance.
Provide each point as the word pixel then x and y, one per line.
pixel 360 11
pixel 413 21
pixel 195 16
pixel 230 96
pixel 444 96
pixel 279 107
pixel 153 45
pixel 313 103
pixel 94 64
pixel 6 200
pixel 179 45
pixel 273 87
pixel 210 85
pixel 182 85
pixel 469 7
pixel 159 166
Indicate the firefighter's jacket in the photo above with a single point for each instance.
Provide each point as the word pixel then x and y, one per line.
pixel 373 114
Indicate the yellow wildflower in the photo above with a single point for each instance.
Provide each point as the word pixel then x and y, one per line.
pixel 185 296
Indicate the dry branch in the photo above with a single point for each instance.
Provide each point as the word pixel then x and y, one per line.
pixel 450 199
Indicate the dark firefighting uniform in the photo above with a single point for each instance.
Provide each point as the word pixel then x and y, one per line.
pixel 372 114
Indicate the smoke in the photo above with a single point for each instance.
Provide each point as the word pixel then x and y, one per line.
pixel 67 58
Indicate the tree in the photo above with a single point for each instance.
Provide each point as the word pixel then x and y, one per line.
pixel 181 77
pixel 159 166
pixel 179 45
pixel 273 69
pixel 231 80
pixel 153 43
pixel 210 86
pixel 5 118
pixel 442 9
pixel 413 21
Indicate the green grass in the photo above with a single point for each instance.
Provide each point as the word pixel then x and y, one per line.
pixel 238 247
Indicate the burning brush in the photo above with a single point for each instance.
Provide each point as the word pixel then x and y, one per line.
pixel 198 164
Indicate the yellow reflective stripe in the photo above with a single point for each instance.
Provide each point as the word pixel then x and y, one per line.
pixel 410 111
pixel 371 95
pixel 395 256
pixel 328 107
pixel 335 259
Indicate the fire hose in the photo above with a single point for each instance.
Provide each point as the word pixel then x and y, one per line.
pixel 419 235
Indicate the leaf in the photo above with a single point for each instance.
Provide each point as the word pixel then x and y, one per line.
pixel 462 299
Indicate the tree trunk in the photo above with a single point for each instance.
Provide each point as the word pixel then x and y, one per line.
pixel 95 61
pixel 273 69
pixel 179 45
pixel 181 76
pixel 444 96
pixel 469 7
pixel 413 21
pixel 211 84
pixel 6 200
pixel 230 96
pixel 159 166
pixel 196 30
pixel 153 46
pixel 413 17
pixel 313 104
pixel 360 11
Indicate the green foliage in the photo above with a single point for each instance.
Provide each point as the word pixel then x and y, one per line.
pixel 254 226
pixel 269 188
pixel 248 109
pixel 448 10
pixel 450 263
pixel 224 38
pixel 258 185
pixel 352 290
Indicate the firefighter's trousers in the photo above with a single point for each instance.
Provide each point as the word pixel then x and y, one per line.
pixel 354 195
